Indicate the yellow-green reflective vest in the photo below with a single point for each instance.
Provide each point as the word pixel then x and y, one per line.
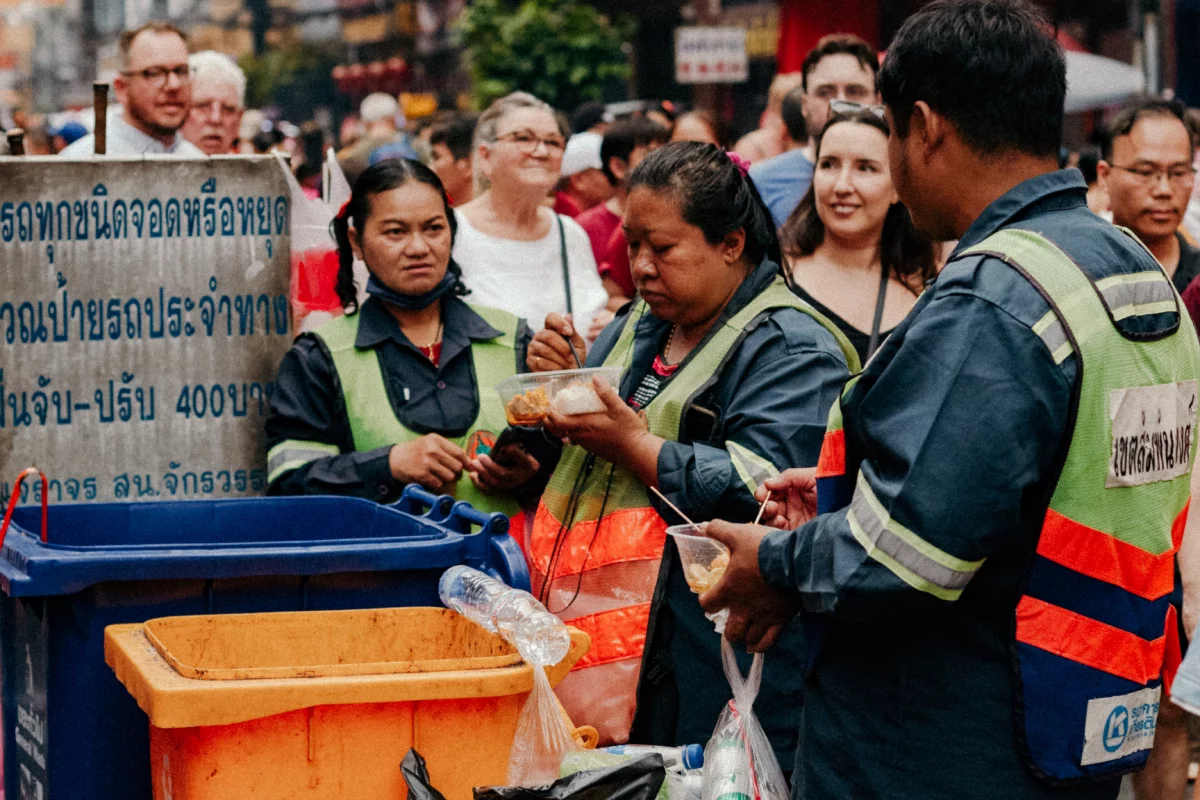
pixel 603 581
pixel 373 422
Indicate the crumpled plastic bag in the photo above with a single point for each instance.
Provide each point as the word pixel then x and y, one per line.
pixel 416 777
pixel 314 258
pixel 542 739
pixel 739 759
pixel 639 779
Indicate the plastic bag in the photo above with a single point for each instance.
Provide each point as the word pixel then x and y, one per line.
pixel 543 737
pixel 314 259
pixel 416 777
pixel 639 779
pixel 739 761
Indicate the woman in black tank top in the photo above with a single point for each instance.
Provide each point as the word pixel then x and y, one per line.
pixel 850 246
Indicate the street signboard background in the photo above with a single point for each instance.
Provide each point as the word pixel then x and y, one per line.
pixel 143 315
pixel 711 55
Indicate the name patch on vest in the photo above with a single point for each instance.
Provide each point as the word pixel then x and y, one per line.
pixel 1151 433
pixel 1119 726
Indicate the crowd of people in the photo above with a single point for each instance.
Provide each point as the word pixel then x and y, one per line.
pixel 866 322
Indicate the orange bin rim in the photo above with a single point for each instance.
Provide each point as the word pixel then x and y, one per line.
pixel 223 669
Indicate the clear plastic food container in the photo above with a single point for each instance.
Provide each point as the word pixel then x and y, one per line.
pixel 528 399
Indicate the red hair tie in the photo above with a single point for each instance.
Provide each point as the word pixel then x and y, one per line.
pixel 343 212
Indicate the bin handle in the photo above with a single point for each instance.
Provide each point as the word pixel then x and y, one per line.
pixel 463 515
pixel 16 493
pixel 416 500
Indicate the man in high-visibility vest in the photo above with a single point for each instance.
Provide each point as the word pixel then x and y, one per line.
pixel 1004 486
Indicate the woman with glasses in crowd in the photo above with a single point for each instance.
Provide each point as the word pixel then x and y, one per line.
pixel 851 248
pixel 400 390
pixel 728 378
pixel 515 253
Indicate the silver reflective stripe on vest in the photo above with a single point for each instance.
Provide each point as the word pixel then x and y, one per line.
pixel 905 554
pixel 1137 294
pixel 1052 333
pixel 292 454
pixel 753 469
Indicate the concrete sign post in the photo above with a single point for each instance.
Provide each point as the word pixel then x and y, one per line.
pixel 143 315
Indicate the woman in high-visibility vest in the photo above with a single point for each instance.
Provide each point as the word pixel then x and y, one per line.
pixel 400 390
pixel 728 377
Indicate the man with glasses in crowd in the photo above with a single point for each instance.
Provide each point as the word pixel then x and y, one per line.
pixel 842 67
pixel 154 88
pixel 218 101
pixel 1146 168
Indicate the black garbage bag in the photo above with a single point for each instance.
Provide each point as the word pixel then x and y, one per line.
pixel 416 775
pixel 638 779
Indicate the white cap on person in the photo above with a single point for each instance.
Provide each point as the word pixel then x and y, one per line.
pixel 380 106
pixel 583 152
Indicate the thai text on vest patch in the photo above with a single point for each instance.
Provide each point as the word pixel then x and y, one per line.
pixel 1119 726
pixel 1152 429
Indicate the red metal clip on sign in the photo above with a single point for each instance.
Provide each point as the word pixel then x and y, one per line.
pixel 16 493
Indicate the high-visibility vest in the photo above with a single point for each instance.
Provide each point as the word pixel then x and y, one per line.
pixel 605 573
pixel 1095 633
pixel 373 421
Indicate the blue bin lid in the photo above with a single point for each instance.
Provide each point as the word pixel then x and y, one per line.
pixel 89 543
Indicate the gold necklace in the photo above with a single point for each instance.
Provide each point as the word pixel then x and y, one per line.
pixel 427 350
pixel 666 354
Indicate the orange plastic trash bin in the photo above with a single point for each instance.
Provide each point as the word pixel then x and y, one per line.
pixel 323 705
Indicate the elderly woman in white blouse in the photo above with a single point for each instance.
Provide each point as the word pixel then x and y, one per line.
pixel 515 253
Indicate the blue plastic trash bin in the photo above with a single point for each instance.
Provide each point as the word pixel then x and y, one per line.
pixel 71 731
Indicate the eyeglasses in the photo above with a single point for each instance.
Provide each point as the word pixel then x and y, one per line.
pixel 1146 175
pixel 157 76
pixel 527 142
pixel 850 107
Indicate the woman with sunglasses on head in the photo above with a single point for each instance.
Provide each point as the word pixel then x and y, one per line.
pixel 400 390
pixel 728 378
pixel 851 247
pixel 515 253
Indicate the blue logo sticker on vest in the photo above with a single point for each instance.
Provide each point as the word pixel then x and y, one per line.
pixel 1119 726
pixel 1116 728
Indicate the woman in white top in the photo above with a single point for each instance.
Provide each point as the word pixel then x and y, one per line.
pixel 515 253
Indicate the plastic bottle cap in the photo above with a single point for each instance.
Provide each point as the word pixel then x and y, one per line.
pixel 693 756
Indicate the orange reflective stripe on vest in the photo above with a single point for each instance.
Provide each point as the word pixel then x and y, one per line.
pixel 1104 557
pixel 832 461
pixel 616 634
pixel 632 534
pixel 1088 641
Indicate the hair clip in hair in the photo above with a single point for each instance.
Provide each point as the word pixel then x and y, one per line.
pixel 742 164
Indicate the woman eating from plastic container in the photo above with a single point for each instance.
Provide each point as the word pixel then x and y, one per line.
pixel 400 390
pixel 728 377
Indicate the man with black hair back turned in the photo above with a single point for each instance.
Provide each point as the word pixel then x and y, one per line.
pixel 1146 170
pixel 1003 487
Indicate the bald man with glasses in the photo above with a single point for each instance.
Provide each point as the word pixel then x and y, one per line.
pixel 154 89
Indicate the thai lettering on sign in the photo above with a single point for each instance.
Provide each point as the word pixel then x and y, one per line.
pixel 143 317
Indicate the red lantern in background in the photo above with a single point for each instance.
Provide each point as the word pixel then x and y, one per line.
pixel 395 75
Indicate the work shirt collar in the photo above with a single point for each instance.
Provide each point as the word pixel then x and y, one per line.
pixel 1052 191
pixel 460 327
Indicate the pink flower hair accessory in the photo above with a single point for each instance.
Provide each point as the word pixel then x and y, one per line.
pixel 742 164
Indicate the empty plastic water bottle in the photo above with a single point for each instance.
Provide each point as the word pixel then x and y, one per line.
pixel 471 593
pixel 540 637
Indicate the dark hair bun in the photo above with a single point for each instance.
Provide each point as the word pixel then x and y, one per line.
pixel 713 194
